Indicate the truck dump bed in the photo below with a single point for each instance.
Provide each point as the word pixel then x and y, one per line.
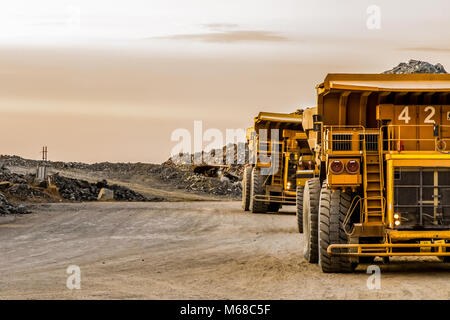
pixel 352 99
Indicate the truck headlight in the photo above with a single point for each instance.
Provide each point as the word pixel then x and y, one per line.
pixel 337 167
pixel 352 167
pixel 397 219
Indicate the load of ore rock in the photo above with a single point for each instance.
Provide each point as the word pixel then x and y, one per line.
pixel 417 66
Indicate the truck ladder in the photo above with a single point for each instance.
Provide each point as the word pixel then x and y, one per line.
pixel 277 178
pixel 373 185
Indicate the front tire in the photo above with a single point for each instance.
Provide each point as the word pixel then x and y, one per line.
pixel 257 188
pixel 332 212
pixel 299 208
pixel 310 220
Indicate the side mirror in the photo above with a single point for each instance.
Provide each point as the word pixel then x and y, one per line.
pixel 317 118
pixel 317 127
pixel 436 131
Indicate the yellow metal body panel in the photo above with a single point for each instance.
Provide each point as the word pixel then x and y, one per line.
pixel 300 136
pixel 344 179
pixel 283 199
pixel 308 123
pixel 421 163
pixel 301 182
pixel 390 194
pixel 419 156
pixel 270 120
pixel 309 174
pixel 397 235
pixel 412 126
pixel 263 165
pixel 386 82
pixel 279 117
pixel 385 250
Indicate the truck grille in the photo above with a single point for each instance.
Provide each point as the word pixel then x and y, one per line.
pixel 422 197
pixel 342 142
pixel 371 141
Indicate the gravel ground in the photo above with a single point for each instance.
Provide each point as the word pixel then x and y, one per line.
pixel 184 250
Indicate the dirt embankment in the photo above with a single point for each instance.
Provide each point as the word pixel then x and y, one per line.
pixel 17 189
pixel 167 181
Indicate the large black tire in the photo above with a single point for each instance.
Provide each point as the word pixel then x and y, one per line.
pixel 310 220
pixel 257 188
pixel 299 208
pixel 247 179
pixel 332 212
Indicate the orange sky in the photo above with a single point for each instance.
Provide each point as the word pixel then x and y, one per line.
pixel 104 91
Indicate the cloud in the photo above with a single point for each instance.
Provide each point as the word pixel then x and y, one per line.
pixel 231 36
pixel 220 26
pixel 228 33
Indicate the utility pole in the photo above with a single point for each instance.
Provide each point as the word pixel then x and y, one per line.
pixel 41 171
pixel 44 153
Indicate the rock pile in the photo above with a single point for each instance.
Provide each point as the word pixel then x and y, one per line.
pixel 26 192
pixel 19 186
pixel 8 208
pixel 6 175
pixel 124 194
pixel 81 190
pixel 416 66
pixel 182 177
pixel 75 190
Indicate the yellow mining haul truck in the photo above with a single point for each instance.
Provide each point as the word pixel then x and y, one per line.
pixel 382 142
pixel 277 144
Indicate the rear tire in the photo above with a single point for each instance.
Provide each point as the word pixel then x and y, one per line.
pixel 247 178
pixel 299 208
pixel 310 220
pixel 333 209
pixel 257 188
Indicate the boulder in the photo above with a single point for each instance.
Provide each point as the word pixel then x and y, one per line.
pixel 105 195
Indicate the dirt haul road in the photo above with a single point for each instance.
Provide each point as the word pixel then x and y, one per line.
pixel 195 250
